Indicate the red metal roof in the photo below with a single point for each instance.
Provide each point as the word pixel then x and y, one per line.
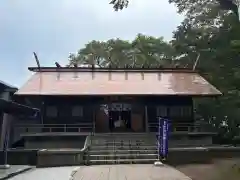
pixel 54 82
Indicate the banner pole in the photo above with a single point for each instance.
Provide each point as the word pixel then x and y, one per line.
pixel 158 162
pixel 158 139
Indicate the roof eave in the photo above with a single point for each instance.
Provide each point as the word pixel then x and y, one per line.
pixel 103 69
pixel 13 107
pixel 13 90
pixel 51 94
pixel 8 86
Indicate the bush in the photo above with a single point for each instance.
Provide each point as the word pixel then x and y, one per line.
pixel 236 140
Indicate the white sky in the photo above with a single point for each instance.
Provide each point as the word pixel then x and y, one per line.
pixel 54 28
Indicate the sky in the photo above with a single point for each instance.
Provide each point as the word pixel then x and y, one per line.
pixel 55 28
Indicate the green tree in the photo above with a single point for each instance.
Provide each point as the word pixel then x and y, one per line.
pixel 214 33
pixel 119 4
pixel 209 33
pixel 94 52
pixel 143 50
pixel 232 5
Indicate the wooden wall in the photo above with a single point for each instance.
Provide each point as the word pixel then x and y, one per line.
pixel 179 110
pixel 68 110
pixel 176 108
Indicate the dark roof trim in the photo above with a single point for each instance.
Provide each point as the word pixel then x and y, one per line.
pixel 10 90
pixel 102 95
pixel 8 86
pixel 112 69
pixel 11 107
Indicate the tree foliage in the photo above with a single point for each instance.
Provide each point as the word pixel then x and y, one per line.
pixel 209 32
pixel 231 5
pixel 119 4
pixel 143 50
pixel 213 32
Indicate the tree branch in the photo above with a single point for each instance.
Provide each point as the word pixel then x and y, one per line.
pixel 119 4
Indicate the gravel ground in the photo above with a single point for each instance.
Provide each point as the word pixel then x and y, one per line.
pixel 218 170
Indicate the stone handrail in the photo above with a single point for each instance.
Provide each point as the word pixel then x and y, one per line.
pixel 85 149
pixel 58 157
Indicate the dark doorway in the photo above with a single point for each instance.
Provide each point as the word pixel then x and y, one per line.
pixel 120 121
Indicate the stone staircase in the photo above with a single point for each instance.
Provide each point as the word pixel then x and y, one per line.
pixel 114 148
pixel 122 148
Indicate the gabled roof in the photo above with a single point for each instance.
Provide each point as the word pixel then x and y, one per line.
pixel 104 81
pixel 7 86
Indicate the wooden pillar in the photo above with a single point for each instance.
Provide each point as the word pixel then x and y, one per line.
pixel 146 119
pixel 102 121
pixel 193 111
pixel 94 119
pixel 6 118
pixel 193 116
pixel 43 112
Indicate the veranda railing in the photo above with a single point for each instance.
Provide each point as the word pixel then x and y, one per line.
pixel 183 127
pixel 38 128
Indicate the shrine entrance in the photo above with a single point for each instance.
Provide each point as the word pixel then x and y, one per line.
pixel 120 117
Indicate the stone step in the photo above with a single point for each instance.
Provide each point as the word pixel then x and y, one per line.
pixel 123 161
pixel 125 144
pixel 122 156
pixel 124 137
pixel 101 147
pixel 141 146
pixel 123 140
pixel 179 143
pixel 106 152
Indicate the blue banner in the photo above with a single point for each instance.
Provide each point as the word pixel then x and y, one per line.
pixel 163 135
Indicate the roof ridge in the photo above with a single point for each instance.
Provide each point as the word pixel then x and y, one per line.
pixel 105 69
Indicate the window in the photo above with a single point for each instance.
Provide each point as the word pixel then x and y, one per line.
pixel 186 111
pixel 51 111
pixel 77 111
pixel 180 111
pixel 126 107
pixel 161 111
pixel 175 111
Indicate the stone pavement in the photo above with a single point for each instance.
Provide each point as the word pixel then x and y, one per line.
pixel 53 173
pixel 128 172
pixel 13 170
